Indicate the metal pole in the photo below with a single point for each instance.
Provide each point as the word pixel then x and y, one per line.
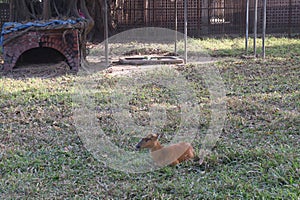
pixel 290 18
pixel 255 27
pixel 185 31
pixel 106 33
pixel 176 26
pixel 264 29
pixel 247 26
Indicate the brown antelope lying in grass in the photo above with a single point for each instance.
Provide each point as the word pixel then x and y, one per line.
pixel 170 155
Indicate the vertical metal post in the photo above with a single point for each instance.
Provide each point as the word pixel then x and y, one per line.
pixel 264 29
pixel 247 26
pixel 106 34
pixel 290 18
pixel 255 27
pixel 176 26
pixel 185 30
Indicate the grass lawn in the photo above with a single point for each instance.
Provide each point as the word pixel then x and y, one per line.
pixel 256 157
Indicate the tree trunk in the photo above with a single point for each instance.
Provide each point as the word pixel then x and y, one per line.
pixel 91 10
pixel 31 10
pixel 96 10
pixel 46 10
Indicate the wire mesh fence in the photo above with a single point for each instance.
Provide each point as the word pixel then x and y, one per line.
pixel 205 17
pixel 208 17
pixel 4 12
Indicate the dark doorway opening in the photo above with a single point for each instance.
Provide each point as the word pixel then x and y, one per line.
pixel 41 55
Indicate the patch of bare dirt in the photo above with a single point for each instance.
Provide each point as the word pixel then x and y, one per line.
pixel 46 70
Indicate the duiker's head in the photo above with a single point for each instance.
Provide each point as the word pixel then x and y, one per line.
pixel 148 142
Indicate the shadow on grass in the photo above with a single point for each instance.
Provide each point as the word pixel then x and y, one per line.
pixel 43 71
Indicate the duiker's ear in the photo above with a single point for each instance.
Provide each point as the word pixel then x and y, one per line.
pixel 156 136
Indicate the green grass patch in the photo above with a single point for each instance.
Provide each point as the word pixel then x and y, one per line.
pixel 256 157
